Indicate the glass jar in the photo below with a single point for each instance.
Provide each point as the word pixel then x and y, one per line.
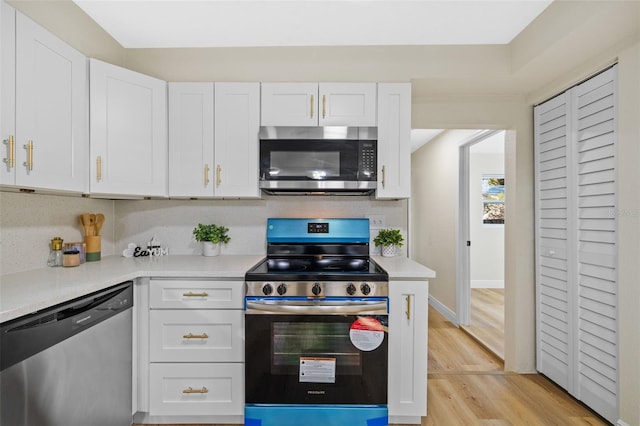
pixel 55 256
pixel 71 258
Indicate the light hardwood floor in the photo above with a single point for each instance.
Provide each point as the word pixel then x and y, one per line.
pixel 487 318
pixel 467 386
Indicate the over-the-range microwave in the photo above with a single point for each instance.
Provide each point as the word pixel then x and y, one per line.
pixel 318 160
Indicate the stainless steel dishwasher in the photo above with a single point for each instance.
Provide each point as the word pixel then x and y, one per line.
pixel 70 364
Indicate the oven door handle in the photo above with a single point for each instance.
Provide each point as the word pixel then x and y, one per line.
pixel 312 308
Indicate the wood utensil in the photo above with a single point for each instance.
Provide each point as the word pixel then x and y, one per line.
pixel 99 222
pixel 85 219
pixel 92 224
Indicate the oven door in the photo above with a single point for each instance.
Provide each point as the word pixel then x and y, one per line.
pixel 305 352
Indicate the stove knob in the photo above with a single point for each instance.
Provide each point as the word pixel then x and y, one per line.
pixel 365 289
pixel 316 289
pixel 351 289
pixel 267 289
pixel 282 289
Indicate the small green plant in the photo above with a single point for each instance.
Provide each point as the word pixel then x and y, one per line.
pixel 389 237
pixel 212 232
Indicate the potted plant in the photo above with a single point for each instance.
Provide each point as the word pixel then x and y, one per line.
pixel 211 237
pixel 389 239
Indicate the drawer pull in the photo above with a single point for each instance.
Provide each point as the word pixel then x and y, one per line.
pixel 192 390
pixel 192 294
pixel 196 336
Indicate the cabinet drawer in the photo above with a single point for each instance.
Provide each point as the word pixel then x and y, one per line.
pixel 196 294
pixel 196 389
pixel 196 336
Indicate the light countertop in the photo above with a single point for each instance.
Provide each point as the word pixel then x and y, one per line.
pixel 26 292
pixel 402 268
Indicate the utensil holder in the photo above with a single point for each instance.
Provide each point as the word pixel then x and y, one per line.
pixel 93 247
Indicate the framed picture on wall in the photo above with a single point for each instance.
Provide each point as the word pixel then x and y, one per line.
pixel 493 199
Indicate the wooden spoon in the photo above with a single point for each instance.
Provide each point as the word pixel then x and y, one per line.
pixel 85 219
pixel 99 222
pixel 92 224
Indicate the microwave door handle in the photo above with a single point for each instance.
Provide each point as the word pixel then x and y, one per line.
pixel 259 306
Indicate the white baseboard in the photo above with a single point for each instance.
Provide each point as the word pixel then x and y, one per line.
pixel 444 310
pixel 487 283
pixel 622 423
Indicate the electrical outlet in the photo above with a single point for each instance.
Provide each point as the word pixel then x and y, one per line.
pixel 376 221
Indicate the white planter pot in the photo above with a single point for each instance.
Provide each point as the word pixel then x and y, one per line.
pixel 388 251
pixel 210 249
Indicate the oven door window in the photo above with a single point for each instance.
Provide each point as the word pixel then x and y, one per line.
pixel 312 359
pixel 308 160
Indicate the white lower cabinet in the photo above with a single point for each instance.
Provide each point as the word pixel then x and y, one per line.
pixel 408 318
pixel 196 335
pixel 196 389
pixel 192 364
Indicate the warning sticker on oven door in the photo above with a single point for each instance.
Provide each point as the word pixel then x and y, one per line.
pixel 317 370
pixel 366 333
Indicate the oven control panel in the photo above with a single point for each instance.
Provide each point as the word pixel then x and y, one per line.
pixel 318 228
pixel 318 289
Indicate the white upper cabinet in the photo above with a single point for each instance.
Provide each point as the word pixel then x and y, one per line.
pixel 237 122
pixel 47 89
pixel 7 93
pixel 213 139
pixel 128 132
pixel 394 140
pixel 289 104
pixel 191 117
pixel 347 104
pixel 323 104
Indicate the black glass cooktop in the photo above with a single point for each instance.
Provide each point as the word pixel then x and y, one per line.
pixel 316 268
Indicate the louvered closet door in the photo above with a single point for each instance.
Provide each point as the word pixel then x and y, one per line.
pixel 576 242
pixel 595 124
pixel 553 263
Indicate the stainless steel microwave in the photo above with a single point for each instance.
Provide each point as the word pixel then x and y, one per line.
pixel 318 160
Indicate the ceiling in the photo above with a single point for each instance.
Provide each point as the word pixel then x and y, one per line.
pixel 261 23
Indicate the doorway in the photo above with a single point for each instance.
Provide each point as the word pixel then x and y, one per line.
pixel 481 285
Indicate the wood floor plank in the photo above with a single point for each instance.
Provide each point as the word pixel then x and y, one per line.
pixel 487 318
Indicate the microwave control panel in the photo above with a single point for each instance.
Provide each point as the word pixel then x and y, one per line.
pixel 367 161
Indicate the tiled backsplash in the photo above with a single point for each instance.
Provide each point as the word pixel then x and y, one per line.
pixel 29 221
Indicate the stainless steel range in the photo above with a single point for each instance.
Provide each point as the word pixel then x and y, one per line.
pixel 316 327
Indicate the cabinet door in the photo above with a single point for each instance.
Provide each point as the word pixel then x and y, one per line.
pixel 408 350
pixel 289 104
pixel 51 105
pixel 191 140
pixel 128 132
pixel 237 122
pixel 394 140
pixel 7 94
pixel 347 104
